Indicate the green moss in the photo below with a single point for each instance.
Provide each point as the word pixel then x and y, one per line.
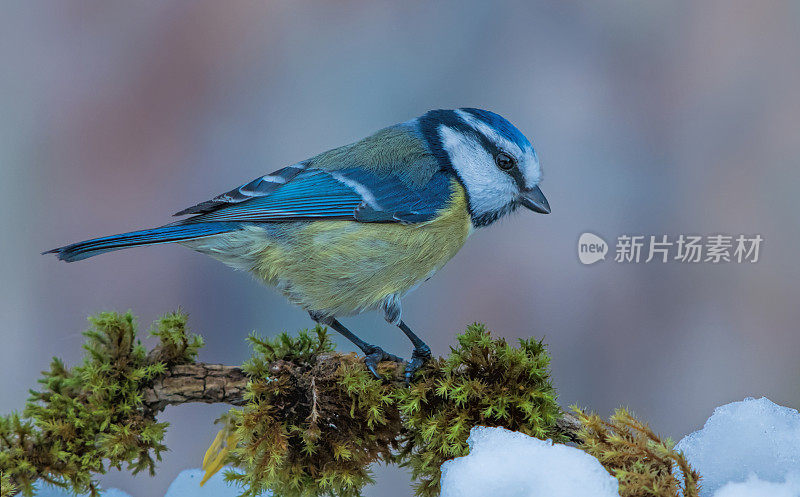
pixel 484 381
pixel 311 427
pixel 85 420
pixel 21 445
pixel 176 345
pixel 641 461
pixel 314 420
pixel 7 487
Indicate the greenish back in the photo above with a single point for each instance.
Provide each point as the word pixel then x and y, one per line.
pixel 397 150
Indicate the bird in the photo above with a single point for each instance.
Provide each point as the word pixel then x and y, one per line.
pixel 358 227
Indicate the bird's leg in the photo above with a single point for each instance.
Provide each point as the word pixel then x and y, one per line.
pixel 421 354
pixel 392 310
pixel 373 354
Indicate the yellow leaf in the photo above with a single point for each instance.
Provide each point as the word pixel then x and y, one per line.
pixel 216 455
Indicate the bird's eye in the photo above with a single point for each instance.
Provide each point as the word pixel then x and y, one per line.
pixel 504 161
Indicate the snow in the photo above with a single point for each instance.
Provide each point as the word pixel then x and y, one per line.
pixel 751 437
pixel 511 464
pixel 188 484
pixel 746 449
pixel 114 492
pixel 754 487
pixel 49 491
pixel 749 448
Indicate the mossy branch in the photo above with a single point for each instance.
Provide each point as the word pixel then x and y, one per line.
pixel 221 384
pixel 308 421
pixel 85 420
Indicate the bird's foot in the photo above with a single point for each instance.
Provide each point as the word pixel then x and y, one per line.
pixel 419 357
pixel 375 355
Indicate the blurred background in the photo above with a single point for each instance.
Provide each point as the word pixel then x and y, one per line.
pixel 663 117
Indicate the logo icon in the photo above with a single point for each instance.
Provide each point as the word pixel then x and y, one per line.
pixel 591 248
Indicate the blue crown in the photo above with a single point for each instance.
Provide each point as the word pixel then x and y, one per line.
pixel 502 126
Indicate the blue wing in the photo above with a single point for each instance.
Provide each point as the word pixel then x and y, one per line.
pixel 296 193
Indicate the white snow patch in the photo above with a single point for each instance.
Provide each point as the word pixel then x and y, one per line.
pixel 753 437
pixel 114 492
pixel 187 484
pixel 50 491
pixel 511 464
pixel 754 487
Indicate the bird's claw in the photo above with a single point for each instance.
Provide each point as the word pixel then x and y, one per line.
pixel 419 357
pixel 374 356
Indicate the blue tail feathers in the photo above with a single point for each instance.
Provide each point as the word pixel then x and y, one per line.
pixel 164 234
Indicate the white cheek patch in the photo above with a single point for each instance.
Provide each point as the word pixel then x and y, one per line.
pixel 529 164
pixel 489 189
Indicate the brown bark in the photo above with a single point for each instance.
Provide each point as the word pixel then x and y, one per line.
pixel 207 383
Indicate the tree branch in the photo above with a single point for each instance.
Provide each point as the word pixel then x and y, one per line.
pixel 206 383
pixel 217 383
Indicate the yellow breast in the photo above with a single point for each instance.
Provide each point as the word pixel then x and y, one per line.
pixel 345 267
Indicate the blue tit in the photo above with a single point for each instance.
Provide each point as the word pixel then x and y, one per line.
pixel 358 227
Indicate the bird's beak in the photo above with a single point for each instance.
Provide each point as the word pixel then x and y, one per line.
pixel 534 200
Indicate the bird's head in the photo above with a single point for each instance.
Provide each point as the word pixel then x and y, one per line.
pixel 494 161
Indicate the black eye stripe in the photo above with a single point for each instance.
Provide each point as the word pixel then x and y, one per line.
pixel 486 143
pixel 513 171
pixel 489 146
pixel 519 179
